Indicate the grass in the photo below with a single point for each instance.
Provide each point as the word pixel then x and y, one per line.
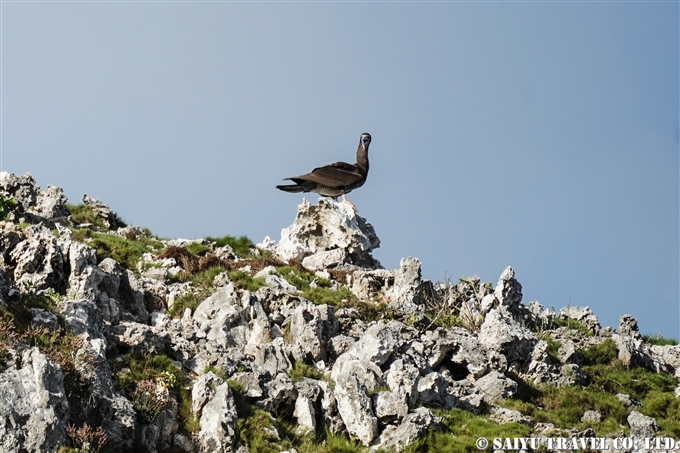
pixel 252 423
pixel 301 279
pixel 573 324
pixel 82 213
pixel 198 249
pixel 659 340
pixel 126 251
pixel 245 281
pixel 242 245
pixel 607 376
pixel 301 370
pixel 160 369
pixel 202 283
pixel 600 354
pixel 553 346
pixel 6 205
pixel 460 429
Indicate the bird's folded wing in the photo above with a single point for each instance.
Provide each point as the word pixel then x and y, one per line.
pixel 339 174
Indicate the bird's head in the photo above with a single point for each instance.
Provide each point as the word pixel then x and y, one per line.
pixel 365 140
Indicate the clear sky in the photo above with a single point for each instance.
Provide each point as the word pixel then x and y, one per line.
pixel 542 135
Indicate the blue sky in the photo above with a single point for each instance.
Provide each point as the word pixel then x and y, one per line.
pixel 542 135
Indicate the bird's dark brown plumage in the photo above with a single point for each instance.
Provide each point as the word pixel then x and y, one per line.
pixel 336 179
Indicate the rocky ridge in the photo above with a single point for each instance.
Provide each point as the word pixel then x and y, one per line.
pixel 99 354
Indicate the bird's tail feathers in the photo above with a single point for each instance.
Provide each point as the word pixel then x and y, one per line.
pixel 291 188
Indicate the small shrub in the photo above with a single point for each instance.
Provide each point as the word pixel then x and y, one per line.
pixel 301 279
pixel 242 245
pixel 198 249
pixel 302 370
pixel 6 205
pixel 150 399
pixel 61 347
pixel 446 320
pixel 128 252
pixel 217 372
pixel 183 302
pixel 86 438
pixel 8 338
pixel 659 340
pixel 573 324
pixel 162 372
pixel 245 281
pixel 603 353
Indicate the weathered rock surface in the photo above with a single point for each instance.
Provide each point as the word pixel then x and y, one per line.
pixel 328 234
pixel 33 405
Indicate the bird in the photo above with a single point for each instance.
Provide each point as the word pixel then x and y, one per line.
pixel 334 180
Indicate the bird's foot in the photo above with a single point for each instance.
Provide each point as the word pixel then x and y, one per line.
pixel 351 205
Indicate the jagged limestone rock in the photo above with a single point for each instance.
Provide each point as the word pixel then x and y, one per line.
pixel 379 342
pixel 583 314
pixel 402 379
pixel 389 407
pixel 412 426
pixel 353 378
pixel 503 334
pixel 272 357
pixel 641 426
pixel 39 261
pixel 496 387
pixel 410 294
pixel 34 205
pixel 33 405
pixel 203 391
pixel 501 416
pixel 628 327
pixel 326 234
pixel 306 339
pixel 281 396
pixel 102 211
pixel 218 421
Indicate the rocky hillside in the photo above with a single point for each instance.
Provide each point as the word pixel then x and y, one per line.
pixel 114 340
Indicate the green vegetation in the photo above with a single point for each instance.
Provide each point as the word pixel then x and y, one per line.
pixel 553 346
pixel 202 282
pixel 151 383
pixel 607 376
pixel 6 205
pixel 254 426
pixel 82 213
pixel 216 371
pixel 198 249
pixel 241 245
pixel 301 279
pixel 245 281
pixel 447 321
pixel 460 429
pixel 600 354
pixel 573 324
pixel 127 251
pixel 302 370
pixel 61 346
pixel 659 340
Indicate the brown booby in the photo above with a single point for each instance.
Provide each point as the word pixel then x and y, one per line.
pixel 336 179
